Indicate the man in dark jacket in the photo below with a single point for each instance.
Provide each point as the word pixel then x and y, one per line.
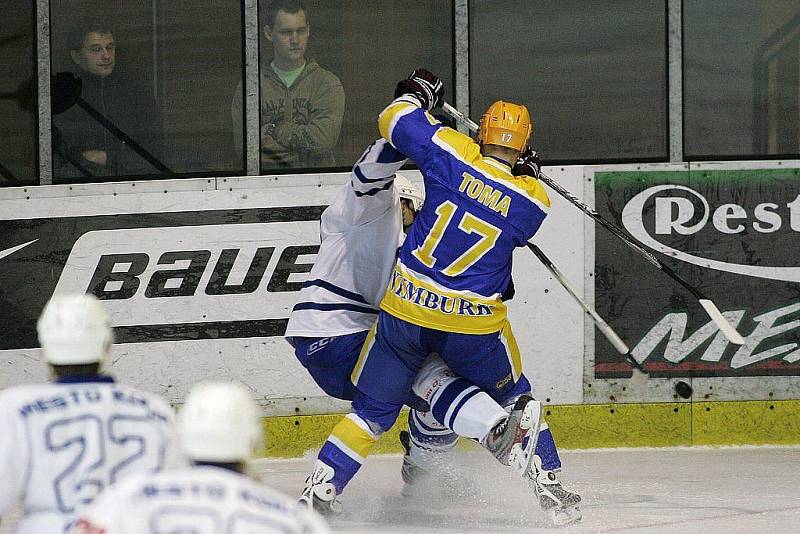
pixel 83 148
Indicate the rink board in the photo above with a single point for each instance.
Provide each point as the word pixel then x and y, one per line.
pixel 593 426
pixel 199 277
pixel 183 315
pixel 731 230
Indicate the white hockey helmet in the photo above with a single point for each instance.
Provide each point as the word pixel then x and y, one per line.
pixel 409 191
pixel 219 423
pixel 75 330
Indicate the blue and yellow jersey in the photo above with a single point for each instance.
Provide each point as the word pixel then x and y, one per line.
pixel 456 261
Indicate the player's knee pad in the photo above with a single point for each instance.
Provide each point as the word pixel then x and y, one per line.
pixel 432 377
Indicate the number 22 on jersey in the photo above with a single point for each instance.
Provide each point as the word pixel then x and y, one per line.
pixel 469 224
pixel 100 449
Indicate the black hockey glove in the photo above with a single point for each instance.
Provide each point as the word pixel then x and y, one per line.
pixel 425 86
pixel 529 163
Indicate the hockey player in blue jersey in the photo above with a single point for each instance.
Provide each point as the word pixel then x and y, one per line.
pixel 445 294
pixel 361 231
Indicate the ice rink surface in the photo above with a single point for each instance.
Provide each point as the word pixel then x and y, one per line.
pixel 675 490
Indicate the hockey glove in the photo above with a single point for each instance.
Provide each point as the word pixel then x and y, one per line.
pixel 426 87
pixel 529 163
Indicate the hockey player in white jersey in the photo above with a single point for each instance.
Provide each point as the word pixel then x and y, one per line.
pixel 64 442
pixel 220 429
pixel 360 231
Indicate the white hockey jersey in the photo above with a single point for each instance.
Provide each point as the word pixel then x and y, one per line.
pixel 61 444
pixel 200 500
pixel 360 232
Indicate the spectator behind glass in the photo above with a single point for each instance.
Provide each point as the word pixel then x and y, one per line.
pixel 82 146
pixel 302 104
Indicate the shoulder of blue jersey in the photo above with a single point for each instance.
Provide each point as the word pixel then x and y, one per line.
pixel 467 151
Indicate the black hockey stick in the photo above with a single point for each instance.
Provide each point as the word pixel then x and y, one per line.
pixel 711 309
pixel 639 374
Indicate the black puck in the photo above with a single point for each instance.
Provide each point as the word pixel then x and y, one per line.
pixel 683 389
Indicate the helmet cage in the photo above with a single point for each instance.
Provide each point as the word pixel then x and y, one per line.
pixel 407 190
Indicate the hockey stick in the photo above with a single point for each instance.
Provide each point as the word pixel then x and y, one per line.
pixel 639 374
pixel 711 309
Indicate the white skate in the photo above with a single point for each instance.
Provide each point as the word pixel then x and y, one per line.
pixel 506 439
pixel 563 505
pixel 319 494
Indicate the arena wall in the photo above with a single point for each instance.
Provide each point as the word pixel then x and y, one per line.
pixel 200 275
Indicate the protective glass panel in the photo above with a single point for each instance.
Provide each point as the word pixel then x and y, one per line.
pixel 341 60
pixel 143 89
pixel 591 72
pixel 18 164
pixel 741 78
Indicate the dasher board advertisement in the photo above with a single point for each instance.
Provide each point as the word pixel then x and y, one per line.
pixel 732 234
pixel 163 276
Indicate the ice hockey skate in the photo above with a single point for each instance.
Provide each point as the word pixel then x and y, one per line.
pixel 320 494
pixel 524 416
pixel 413 474
pixel 563 505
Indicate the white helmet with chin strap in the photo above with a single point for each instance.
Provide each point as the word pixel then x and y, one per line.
pixel 409 191
pixel 75 330
pixel 219 423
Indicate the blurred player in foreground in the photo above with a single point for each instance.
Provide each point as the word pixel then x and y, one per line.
pixel 64 442
pixel 219 430
pixel 337 306
pixel 446 292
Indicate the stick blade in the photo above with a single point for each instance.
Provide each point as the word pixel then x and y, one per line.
pixel 725 327
pixel 638 378
pixel 638 374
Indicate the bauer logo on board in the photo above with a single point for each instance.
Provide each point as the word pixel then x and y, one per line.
pixel 163 276
pixel 197 273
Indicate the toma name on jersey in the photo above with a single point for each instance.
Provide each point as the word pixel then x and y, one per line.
pixel 492 198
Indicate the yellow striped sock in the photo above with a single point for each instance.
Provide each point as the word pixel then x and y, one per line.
pixel 353 436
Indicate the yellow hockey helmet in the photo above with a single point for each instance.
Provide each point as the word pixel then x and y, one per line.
pixel 506 124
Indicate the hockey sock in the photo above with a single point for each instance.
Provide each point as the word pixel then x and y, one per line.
pixel 428 438
pixel 456 403
pixel 546 449
pixel 465 409
pixel 346 448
